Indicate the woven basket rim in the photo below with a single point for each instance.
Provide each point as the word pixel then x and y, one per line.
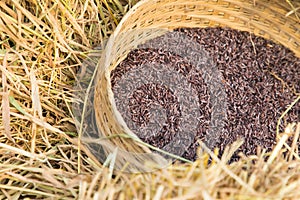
pixel 112 56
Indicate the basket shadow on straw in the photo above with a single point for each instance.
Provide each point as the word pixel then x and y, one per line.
pixel 83 108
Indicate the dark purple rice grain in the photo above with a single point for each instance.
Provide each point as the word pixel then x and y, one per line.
pixel 253 81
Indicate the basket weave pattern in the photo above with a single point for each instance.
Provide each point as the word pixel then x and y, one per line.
pixel 150 19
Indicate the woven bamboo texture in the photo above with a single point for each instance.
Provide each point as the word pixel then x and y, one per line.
pixel 150 19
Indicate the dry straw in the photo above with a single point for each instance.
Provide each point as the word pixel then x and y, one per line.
pixel 42 43
pixel 148 20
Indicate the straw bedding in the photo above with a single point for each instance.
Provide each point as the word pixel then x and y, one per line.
pixel 42 46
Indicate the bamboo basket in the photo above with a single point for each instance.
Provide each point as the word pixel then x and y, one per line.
pixel 149 19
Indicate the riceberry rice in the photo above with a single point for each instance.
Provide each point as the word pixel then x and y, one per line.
pixel 261 78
